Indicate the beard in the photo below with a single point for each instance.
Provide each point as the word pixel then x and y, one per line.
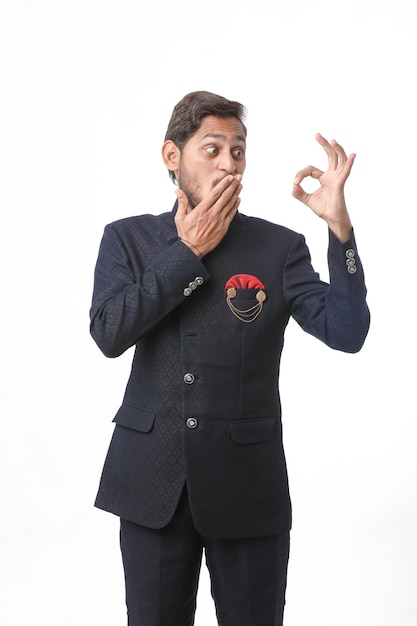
pixel 190 186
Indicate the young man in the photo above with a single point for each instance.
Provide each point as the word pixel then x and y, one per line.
pixel 204 293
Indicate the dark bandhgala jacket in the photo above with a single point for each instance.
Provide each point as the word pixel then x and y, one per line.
pixel 202 403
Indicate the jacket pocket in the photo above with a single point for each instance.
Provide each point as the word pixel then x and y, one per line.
pixel 254 430
pixel 135 417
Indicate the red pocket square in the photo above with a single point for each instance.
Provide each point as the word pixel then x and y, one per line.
pixel 244 281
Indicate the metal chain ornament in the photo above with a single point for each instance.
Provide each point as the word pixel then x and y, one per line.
pixel 245 281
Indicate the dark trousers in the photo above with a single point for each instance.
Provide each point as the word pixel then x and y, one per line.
pixel 162 567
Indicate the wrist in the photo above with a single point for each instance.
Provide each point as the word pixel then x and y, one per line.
pixel 342 230
pixel 192 247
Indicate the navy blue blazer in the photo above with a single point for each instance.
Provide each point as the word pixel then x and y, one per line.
pixel 202 403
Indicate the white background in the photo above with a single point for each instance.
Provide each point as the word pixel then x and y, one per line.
pixel 87 88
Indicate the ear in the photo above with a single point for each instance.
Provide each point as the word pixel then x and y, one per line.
pixel 171 155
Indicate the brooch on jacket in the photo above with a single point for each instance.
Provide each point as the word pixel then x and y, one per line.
pixel 245 281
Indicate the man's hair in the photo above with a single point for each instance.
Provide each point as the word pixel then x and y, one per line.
pixel 188 114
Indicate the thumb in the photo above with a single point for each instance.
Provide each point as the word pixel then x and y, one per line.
pixel 183 207
pixel 299 193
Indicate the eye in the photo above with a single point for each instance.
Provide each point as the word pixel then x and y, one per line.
pixel 211 149
pixel 238 153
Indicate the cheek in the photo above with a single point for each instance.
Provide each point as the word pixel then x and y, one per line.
pixel 204 177
pixel 241 166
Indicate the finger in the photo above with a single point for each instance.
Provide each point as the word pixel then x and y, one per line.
pixel 225 202
pixel 231 207
pixel 225 210
pixel 347 166
pixel 226 186
pixel 349 162
pixel 329 150
pixel 220 193
pixel 339 151
pixel 345 162
pixel 231 211
pixel 311 171
pixel 299 193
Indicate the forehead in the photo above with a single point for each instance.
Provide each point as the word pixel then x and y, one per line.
pixel 222 128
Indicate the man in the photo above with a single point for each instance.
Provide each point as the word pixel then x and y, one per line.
pixel 204 293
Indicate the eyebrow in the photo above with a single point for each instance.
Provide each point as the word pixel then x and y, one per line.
pixel 223 137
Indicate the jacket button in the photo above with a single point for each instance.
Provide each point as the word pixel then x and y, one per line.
pixel 192 422
pixel 189 378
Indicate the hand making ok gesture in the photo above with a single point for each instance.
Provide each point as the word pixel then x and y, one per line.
pixel 328 201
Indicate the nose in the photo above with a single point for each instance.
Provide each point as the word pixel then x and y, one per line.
pixel 227 163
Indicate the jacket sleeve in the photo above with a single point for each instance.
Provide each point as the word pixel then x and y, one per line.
pixel 130 298
pixel 335 313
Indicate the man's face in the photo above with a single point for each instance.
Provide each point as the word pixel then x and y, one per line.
pixel 216 150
